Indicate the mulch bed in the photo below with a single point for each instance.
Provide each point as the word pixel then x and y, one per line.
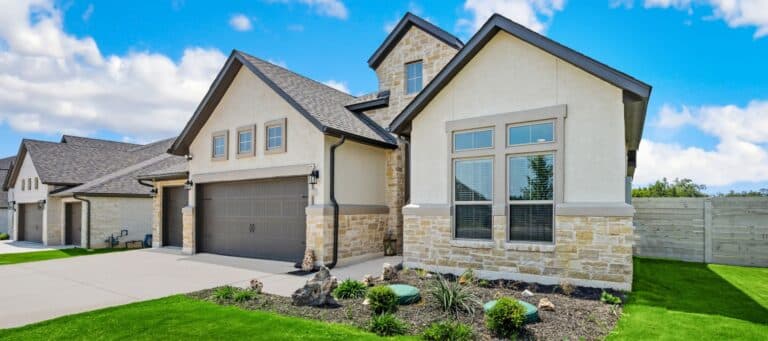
pixel 580 315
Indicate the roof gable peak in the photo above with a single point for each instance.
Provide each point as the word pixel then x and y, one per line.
pixel 410 20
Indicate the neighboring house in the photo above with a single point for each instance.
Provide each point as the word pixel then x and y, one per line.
pixel 519 154
pixel 5 217
pixel 82 191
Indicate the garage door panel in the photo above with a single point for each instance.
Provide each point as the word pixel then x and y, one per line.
pixel 31 223
pixel 261 219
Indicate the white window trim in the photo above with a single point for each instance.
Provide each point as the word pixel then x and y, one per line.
pixel 246 129
pixel 453 139
pixel 274 123
pixel 225 135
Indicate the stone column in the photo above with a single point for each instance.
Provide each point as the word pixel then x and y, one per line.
pixel 188 232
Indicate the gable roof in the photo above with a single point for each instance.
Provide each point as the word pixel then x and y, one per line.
pixel 320 104
pixel 408 21
pixel 636 93
pixel 76 161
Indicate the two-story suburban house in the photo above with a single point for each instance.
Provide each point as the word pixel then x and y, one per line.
pixel 510 154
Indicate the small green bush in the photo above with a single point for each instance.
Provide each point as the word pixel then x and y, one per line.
pixel 484 283
pixel 382 300
pixel 224 293
pixel 243 295
pixel 350 288
pixel 4 236
pixel 505 318
pixel 387 325
pixel 448 331
pixel 453 297
pixel 607 298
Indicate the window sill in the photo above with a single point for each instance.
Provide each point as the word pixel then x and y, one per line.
pixel 529 247
pixel 474 244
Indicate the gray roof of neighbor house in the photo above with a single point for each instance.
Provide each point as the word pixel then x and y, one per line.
pixel 76 162
pixel 5 166
pixel 398 32
pixel 323 106
pixel 176 167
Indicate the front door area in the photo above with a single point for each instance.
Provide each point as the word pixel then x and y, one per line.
pixel 72 223
pixel 174 200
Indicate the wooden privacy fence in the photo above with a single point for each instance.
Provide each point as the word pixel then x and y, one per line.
pixel 710 230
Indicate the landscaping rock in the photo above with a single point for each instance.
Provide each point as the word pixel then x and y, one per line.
pixel 256 285
pixel 389 273
pixel 317 291
pixel 546 304
pixel 368 280
pixel 527 293
pixel 308 263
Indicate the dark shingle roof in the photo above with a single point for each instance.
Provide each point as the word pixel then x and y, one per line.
pixel 5 165
pixel 97 143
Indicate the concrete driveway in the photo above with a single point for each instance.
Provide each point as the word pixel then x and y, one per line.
pixel 32 292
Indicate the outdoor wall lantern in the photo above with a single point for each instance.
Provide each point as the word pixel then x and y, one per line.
pixel 153 192
pixel 188 185
pixel 313 176
pixel 13 205
pixel 188 157
pixel 41 203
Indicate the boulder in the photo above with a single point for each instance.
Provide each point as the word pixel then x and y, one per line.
pixel 546 304
pixel 256 285
pixel 389 273
pixel 368 280
pixel 527 293
pixel 318 290
pixel 308 263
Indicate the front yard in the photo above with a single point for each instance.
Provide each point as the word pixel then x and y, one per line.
pixel 671 300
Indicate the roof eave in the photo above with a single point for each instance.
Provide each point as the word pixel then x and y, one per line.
pixel 397 33
pixel 362 139
pixel 168 176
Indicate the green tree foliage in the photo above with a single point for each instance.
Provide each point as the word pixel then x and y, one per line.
pixel 763 192
pixel 677 188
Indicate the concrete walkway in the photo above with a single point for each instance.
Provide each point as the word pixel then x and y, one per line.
pixel 32 292
pixel 10 246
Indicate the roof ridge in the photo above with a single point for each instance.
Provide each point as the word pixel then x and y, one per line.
pixel 97 139
pixel 116 174
pixel 398 32
pixel 294 72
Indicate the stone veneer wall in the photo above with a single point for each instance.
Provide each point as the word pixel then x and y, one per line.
pixel 157 210
pixel 110 215
pixel 54 229
pixel 360 236
pixel 589 251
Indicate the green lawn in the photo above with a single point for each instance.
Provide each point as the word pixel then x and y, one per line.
pixel 24 257
pixel 182 318
pixel 692 301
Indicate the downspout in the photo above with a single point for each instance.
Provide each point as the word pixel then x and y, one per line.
pixel 335 204
pixel 141 182
pixel 407 170
pixel 88 223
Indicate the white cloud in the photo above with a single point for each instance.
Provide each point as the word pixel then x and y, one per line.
pixel 736 13
pixel 88 12
pixel 741 154
pixel 534 14
pixel 55 82
pixel 239 22
pixel 338 85
pixel 328 8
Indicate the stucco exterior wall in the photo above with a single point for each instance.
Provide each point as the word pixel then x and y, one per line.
pixel 509 75
pixel 111 215
pixel 249 101
pixel 360 173
pixel 27 196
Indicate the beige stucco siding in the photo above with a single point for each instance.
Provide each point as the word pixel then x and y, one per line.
pixel 360 173
pixel 250 101
pixel 509 75
pixel 27 196
pixel 111 215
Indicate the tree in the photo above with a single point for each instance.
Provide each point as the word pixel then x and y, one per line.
pixel 763 192
pixel 677 188
pixel 539 186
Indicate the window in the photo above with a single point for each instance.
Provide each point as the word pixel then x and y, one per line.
pixel 531 197
pixel 473 196
pixel 413 78
pixel 23 184
pixel 245 141
pixel 219 145
pixel 275 136
pixel 36 183
pixel 531 133
pixel 29 184
pixel 476 139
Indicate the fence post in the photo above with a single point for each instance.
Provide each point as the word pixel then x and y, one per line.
pixel 708 230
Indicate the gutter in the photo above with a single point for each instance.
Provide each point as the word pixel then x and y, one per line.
pixel 335 203
pixel 88 223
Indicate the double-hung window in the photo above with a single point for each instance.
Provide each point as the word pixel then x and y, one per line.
pixel 531 197
pixel 473 198
pixel 413 77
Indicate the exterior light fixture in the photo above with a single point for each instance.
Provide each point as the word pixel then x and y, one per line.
pixel 313 176
pixel 188 157
pixel 41 203
pixel 188 185
pixel 153 192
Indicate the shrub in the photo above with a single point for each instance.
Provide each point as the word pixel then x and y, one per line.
pixel 448 331
pixel 607 298
pixel 382 300
pixel 567 288
pixel 350 288
pixel 467 277
pixel 224 293
pixel 453 297
pixel 422 273
pixel 4 236
pixel 243 295
pixel 387 325
pixel 484 283
pixel 505 318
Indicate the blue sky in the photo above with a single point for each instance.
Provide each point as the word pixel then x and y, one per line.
pixel 706 64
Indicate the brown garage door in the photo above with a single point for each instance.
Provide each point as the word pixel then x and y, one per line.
pixel 257 219
pixel 174 200
pixel 31 223
pixel 72 224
